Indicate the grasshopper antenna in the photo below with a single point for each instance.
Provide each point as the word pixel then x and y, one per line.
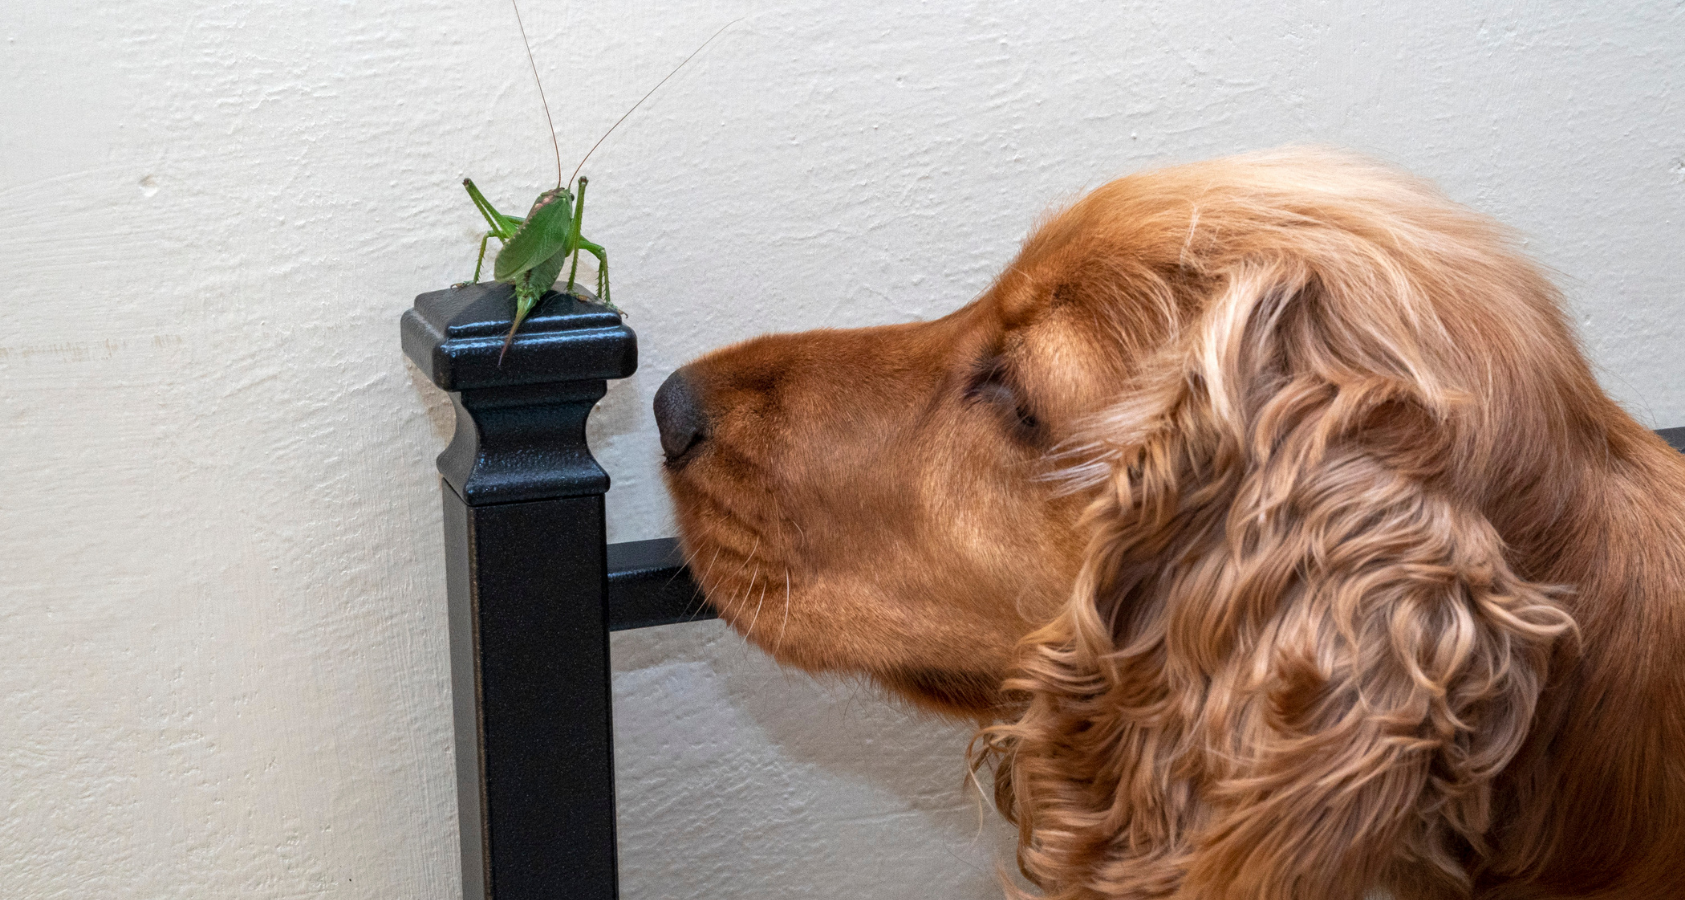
pixel 553 142
pixel 641 100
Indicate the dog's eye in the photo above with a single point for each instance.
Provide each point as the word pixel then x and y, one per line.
pixel 993 387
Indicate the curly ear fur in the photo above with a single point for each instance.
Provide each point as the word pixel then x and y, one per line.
pixel 1296 656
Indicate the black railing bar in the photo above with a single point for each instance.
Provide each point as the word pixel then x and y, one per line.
pixel 1674 436
pixel 648 585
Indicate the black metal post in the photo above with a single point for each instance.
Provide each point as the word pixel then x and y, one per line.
pixel 528 587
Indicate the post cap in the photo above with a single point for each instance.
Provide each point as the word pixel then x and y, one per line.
pixel 455 336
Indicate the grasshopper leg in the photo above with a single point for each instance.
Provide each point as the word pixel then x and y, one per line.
pixel 482 257
pixel 574 270
pixel 602 272
pixel 574 239
pixel 501 225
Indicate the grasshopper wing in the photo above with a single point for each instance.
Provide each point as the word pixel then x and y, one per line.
pixel 543 235
pixel 543 276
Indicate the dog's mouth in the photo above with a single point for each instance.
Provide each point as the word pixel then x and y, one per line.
pixel 745 558
pixel 769 603
pixel 766 588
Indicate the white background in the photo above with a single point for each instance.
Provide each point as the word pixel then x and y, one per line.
pixel 222 631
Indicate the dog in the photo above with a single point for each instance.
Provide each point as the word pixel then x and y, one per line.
pixel 1268 518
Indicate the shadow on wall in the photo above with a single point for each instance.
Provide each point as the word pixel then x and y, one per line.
pixel 722 758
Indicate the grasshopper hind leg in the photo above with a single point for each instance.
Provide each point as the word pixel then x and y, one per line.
pixel 602 274
pixel 479 261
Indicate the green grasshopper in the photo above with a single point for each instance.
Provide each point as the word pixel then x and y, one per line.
pixel 535 248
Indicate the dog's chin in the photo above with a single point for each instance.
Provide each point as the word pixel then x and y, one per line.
pixel 781 628
pixel 952 693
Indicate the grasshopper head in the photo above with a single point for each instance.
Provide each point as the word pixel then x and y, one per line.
pixel 551 196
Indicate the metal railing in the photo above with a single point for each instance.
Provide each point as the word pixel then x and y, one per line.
pixel 534 589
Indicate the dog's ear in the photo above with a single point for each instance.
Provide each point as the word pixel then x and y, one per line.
pixel 1296 655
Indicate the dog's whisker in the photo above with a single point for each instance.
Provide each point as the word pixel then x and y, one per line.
pixel 751 557
pixel 756 574
pixel 698 595
pixel 762 602
pixel 686 558
pixel 780 642
pixel 753 577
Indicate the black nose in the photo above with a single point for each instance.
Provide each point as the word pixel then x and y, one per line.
pixel 678 413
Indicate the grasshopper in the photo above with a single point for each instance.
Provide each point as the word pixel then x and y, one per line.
pixel 535 248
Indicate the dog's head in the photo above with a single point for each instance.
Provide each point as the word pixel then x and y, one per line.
pixel 882 500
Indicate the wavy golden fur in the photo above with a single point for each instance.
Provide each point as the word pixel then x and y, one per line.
pixel 1269 511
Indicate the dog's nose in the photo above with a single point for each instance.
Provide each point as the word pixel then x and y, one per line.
pixel 678 414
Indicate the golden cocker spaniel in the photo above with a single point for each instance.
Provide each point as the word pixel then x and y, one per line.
pixel 1269 517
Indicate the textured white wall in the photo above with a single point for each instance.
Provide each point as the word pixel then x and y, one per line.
pixel 222 624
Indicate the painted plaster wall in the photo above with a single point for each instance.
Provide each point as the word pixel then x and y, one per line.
pixel 222 633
